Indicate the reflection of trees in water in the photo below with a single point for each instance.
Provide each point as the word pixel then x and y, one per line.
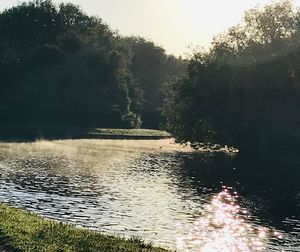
pixel 199 177
pixel 269 188
pixel 204 172
pixel 275 181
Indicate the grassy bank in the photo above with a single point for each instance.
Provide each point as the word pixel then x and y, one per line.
pixel 24 231
pixel 33 132
pixel 129 132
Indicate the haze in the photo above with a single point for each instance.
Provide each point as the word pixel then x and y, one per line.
pixel 176 25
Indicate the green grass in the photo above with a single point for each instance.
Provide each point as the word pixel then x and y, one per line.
pixel 33 132
pixel 131 132
pixel 24 231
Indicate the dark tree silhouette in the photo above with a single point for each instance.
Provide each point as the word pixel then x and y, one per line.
pixel 59 66
pixel 244 92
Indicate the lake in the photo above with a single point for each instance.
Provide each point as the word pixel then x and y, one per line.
pixel 166 194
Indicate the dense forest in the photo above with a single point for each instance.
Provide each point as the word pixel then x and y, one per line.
pixel 59 66
pixel 245 90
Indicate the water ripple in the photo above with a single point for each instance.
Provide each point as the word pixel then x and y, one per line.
pixel 131 191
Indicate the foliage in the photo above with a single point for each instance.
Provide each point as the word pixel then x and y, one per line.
pixel 245 87
pixel 153 69
pixel 59 66
pixel 131 132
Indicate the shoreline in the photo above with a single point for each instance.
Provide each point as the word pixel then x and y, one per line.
pixel 28 133
pixel 22 230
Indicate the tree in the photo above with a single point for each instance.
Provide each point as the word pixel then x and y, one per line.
pixel 246 88
pixel 153 69
pixel 60 66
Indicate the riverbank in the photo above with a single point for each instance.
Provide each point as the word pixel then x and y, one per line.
pixel 99 133
pixel 24 231
pixel 19 133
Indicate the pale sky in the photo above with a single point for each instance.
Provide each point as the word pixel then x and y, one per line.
pixel 175 25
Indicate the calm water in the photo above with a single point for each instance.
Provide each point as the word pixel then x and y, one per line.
pixel 151 189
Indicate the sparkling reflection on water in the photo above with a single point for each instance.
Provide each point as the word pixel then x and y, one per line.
pixel 147 190
pixel 225 226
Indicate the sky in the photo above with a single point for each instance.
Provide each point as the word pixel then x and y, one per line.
pixel 176 25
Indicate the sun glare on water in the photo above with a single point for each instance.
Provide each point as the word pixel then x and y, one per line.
pixel 225 227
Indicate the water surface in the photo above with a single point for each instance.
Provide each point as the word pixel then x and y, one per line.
pixel 166 194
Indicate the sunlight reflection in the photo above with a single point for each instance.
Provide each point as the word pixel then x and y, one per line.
pixel 225 226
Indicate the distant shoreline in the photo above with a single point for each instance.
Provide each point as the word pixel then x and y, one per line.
pixel 19 133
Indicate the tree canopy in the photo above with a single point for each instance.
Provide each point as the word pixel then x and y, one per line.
pixel 244 91
pixel 61 66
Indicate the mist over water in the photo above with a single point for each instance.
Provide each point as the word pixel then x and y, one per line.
pixel 156 190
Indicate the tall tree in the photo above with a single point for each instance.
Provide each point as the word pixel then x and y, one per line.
pixel 153 69
pixel 60 66
pixel 244 91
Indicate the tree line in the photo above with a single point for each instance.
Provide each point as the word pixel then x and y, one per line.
pixel 59 66
pixel 245 90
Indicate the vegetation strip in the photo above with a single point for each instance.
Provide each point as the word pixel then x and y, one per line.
pixel 24 231
pixel 33 132
pixel 129 133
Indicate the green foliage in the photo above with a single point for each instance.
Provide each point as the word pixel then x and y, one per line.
pixel 23 231
pixel 264 35
pixel 153 69
pixel 130 132
pixel 60 66
pixel 245 86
